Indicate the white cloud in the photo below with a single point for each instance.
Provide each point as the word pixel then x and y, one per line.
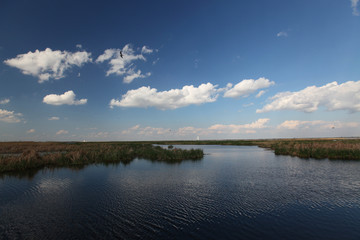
pixel 258 129
pixel 79 46
pixel 295 124
pixel 184 131
pixel 48 63
pixel 10 116
pixel 332 96
pixel 175 98
pixel 130 130
pixel 124 65
pixel 4 101
pixel 66 98
pixel 30 131
pixel 53 118
pixel 246 87
pixel 233 128
pixel 133 75
pixel 146 50
pixel 354 5
pixel 260 93
pixel 282 34
pixel 135 127
pixel 190 132
pixel 154 131
pixel 316 126
pixel 108 53
pixel 62 132
pixel 145 131
pixel 148 131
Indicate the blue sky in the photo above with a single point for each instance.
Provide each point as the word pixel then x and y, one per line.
pixel 149 70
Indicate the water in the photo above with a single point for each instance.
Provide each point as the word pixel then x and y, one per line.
pixel 233 193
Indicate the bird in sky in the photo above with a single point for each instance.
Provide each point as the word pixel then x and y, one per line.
pixel 121 55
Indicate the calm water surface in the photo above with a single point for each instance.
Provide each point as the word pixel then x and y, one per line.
pixel 233 193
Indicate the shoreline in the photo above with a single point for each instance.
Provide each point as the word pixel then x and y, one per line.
pixel 18 156
pixel 317 148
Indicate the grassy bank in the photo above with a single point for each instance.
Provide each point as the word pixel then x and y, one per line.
pixel 30 155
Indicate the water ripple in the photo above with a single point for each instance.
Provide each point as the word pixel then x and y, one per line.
pixel 235 193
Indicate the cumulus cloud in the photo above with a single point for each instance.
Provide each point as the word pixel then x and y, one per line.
pixel 30 131
pixel 53 118
pixel 10 116
pixel 62 132
pixel 4 101
pixel 354 5
pixel 175 98
pixel 247 87
pixel 48 63
pixel 66 98
pixel 332 96
pixel 122 62
pixel 233 128
pixel 282 34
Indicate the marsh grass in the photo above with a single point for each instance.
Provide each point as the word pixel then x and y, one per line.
pixel 81 154
pixel 345 150
pixel 19 156
pixel 319 148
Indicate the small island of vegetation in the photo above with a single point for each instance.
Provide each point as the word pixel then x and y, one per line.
pixel 18 156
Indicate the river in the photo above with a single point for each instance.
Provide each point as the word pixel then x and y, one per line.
pixel 235 192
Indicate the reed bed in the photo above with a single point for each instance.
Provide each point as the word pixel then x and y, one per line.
pixel 15 156
pixel 319 148
pixel 30 155
pixel 332 149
